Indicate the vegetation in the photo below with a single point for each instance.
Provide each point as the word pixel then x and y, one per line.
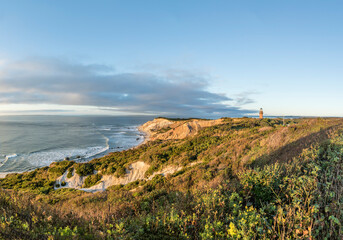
pixel 249 179
pixel 84 169
pixel 70 172
pixel 58 168
pixel 92 180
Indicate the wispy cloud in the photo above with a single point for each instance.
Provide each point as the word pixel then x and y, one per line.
pixel 54 81
pixel 244 98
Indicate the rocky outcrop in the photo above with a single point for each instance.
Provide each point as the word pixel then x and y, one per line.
pixel 76 181
pixel 155 125
pixel 136 171
pixel 164 129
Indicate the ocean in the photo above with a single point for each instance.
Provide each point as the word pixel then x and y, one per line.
pixel 30 142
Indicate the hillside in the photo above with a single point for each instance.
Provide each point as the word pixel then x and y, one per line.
pixel 192 179
pixel 166 129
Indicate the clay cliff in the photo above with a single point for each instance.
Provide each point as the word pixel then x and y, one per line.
pixel 165 129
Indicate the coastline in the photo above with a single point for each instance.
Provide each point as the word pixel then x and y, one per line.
pixel 4 174
pixel 145 134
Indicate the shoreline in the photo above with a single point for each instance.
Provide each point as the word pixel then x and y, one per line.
pixel 4 174
pixel 146 137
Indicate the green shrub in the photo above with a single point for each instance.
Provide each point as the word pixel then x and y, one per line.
pixel 155 183
pixel 111 169
pixel 85 169
pixel 115 187
pixel 153 168
pixel 57 169
pixel 70 172
pixel 262 185
pixel 120 171
pixel 132 185
pixel 92 180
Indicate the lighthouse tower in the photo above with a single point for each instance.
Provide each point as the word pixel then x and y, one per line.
pixel 261 113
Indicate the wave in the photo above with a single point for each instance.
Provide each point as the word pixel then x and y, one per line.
pixel 45 158
pixel 6 157
pixel 114 138
pixel 120 133
pixel 105 128
pixel 98 150
pixel 10 156
pixel 32 160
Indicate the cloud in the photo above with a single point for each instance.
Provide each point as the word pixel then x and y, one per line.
pixel 244 98
pixel 53 81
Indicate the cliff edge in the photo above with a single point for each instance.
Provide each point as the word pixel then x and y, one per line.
pixel 166 129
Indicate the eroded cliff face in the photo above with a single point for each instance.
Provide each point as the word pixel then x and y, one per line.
pixel 164 129
pixel 159 128
pixel 136 171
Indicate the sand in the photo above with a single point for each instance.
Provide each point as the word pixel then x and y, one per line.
pixel 135 172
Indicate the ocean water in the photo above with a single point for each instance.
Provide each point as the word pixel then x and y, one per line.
pixel 29 142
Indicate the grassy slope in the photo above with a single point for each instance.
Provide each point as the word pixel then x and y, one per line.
pixel 245 184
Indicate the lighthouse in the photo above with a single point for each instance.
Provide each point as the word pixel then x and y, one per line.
pixel 261 113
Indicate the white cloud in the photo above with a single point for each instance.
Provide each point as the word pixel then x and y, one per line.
pixel 57 82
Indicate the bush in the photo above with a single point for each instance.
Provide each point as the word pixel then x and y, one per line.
pixel 84 169
pixel 92 180
pixel 115 187
pixel 70 172
pixel 120 171
pixel 58 168
pixel 63 183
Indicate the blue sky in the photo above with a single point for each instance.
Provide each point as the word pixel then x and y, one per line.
pixel 213 58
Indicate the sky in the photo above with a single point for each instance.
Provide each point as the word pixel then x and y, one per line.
pixel 181 58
